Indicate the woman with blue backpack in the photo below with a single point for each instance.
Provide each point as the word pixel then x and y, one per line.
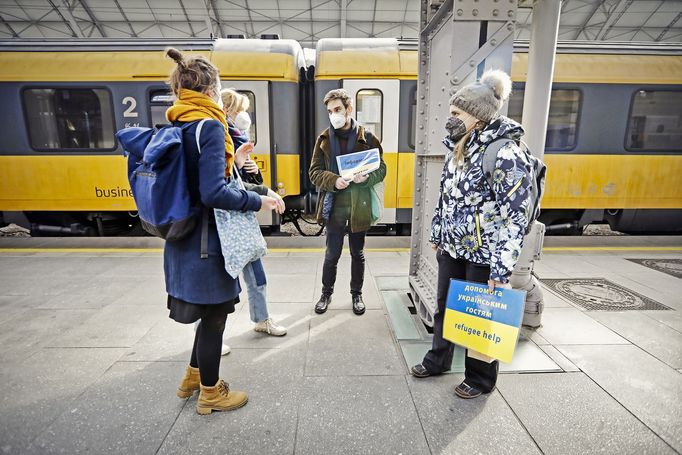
pixel 199 288
pixel 480 220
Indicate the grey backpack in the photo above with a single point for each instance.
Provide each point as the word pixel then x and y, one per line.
pixel 538 170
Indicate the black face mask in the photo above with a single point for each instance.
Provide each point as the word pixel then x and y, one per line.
pixel 456 128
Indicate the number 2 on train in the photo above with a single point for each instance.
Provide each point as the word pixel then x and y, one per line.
pixel 130 112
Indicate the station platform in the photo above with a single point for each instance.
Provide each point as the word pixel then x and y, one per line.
pixel 91 361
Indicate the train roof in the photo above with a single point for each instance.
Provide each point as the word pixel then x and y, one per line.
pixel 141 59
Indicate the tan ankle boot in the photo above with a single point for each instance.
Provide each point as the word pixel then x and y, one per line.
pixel 190 382
pixel 219 398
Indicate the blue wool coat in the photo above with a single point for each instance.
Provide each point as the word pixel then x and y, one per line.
pixel 188 277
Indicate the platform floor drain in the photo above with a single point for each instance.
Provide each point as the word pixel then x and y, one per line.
pixel 598 294
pixel 670 266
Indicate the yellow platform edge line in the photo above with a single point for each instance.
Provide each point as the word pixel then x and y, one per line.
pixel 321 250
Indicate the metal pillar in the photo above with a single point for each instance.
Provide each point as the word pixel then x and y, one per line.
pixel 458 40
pixel 536 100
pixel 541 56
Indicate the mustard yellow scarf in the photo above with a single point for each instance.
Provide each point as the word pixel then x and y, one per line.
pixel 191 106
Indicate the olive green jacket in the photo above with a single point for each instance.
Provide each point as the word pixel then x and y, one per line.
pixel 325 180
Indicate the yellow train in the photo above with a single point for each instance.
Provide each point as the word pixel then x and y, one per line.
pixel 613 147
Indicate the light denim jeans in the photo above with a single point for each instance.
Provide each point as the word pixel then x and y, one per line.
pixel 254 277
pixel 256 287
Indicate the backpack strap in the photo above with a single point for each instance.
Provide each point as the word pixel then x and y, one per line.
pixel 204 215
pixel 490 157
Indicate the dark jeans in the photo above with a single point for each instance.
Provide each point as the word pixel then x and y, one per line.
pixel 336 230
pixel 478 373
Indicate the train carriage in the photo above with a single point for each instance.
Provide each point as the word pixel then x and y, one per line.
pixel 613 148
pixel 63 102
pixel 614 135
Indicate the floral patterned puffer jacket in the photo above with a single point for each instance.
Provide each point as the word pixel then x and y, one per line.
pixel 475 222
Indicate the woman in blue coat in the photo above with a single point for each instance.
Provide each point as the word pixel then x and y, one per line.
pixel 200 288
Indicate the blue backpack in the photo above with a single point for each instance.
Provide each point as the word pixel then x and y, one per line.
pixel 158 179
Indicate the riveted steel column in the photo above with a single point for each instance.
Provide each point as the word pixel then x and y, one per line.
pixel 541 56
pixel 458 40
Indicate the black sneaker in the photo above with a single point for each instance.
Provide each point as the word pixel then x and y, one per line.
pixel 323 303
pixel 358 304
pixel 466 391
pixel 420 371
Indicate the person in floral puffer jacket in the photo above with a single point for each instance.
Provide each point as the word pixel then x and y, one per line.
pixel 477 230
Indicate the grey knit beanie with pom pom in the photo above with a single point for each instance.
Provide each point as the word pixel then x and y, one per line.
pixel 484 99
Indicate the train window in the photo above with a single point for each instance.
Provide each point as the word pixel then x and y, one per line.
pixel 252 113
pixel 655 121
pixel 159 102
pixel 69 118
pixel 369 110
pixel 562 124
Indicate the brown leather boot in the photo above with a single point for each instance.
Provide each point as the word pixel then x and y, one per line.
pixel 219 398
pixel 190 382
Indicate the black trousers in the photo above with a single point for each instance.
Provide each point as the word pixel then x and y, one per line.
pixel 337 228
pixel 478 373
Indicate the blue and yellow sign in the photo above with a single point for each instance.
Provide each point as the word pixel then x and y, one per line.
pixel 484 321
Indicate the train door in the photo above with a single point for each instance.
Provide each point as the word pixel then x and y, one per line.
pixel 376 106
pixel 259 134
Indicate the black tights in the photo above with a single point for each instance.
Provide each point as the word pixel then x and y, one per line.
pixel 208 341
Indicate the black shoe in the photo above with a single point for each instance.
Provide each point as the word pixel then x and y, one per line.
pixel 323 303
pixel 420 371
pixel 466 391
pixel 358 304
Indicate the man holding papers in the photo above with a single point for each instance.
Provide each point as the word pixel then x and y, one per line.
pixel 347 162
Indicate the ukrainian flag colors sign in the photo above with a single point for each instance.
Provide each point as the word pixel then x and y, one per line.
pixel 484 321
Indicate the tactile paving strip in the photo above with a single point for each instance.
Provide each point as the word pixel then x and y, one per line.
pixel 670 266
pixel 598 294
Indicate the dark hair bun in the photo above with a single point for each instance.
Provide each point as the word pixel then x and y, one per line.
pixel 176 55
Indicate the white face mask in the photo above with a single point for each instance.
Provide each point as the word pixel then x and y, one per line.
pixel 243 121
pixel 337 120
pixel 218 97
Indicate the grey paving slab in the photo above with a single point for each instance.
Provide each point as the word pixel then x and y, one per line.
pixel 341 299
pixel 528 357
pixel 654 337
pixel 359 415
pixel 571 326
pixel 414 351
pixel 129 409
pixel 112 326
pixel 27 332
pixel 151 292
pixel 12 306
pixel 291 288
pixel 72 301
pixel 284 265
pixel 647 387
pixel 388 265
pixel 167 340
pixel 560 359
pixel 402 322
pixel 392 282
pixel 266 425
pixel 455 426
pixel 672 319
pixel 568 414
pixel 42 387
pixel 342 343
pixel 534 336
pixel 295 317
pixel 138 267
